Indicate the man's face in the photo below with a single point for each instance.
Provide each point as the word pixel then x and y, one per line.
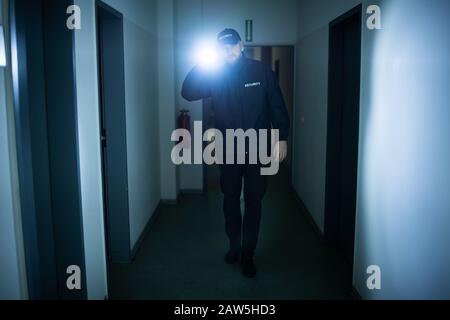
pixel 231 53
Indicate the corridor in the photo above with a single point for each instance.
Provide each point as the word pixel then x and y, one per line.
pixel 182 255
pixel 112 112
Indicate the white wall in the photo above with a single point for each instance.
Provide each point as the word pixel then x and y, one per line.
pixel 13 283
pixel 274 23
pixel 141 95
pixel 166 96
pixel 404 163
pixel 9 276
pixel 314 15
pixel 403 212
pixel 142 128
pixel 310 116
pixel 89 152
pixel 310 121
pixel 188 21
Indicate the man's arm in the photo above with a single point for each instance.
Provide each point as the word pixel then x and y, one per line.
pixel 196 86
pixel 279 114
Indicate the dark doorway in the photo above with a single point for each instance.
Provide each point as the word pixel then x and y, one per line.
pixel 46 126
pixel 343 131
pixel 282 60
pixel 113 132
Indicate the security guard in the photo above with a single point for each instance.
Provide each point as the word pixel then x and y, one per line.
pixel 245 95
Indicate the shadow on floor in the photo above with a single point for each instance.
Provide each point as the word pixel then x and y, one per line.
pixel 182 256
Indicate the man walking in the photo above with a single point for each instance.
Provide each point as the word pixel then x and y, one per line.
pixel 245 95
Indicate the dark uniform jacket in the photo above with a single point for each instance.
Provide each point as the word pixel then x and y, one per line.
pixel 245 95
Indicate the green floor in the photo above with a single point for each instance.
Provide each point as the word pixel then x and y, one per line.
pixel 182 257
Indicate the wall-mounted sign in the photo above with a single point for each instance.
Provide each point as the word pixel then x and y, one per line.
pixel 249 30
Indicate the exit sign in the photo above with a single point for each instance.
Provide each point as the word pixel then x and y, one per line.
pixel 249 30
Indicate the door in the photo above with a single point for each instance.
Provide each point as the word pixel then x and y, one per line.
pixel 281 59
pixel 46 127
pixel 349 136
pixel 343 131
pixel 113 132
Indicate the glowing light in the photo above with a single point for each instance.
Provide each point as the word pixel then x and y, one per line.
pixel 208 57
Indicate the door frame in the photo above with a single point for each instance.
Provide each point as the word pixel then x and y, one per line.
pixel 334 125
pixel 113 135
pixel 52 244
pixel 288 163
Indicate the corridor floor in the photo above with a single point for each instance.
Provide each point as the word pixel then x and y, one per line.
pixel 182 255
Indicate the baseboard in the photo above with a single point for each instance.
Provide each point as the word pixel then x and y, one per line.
pixel 170 202
pixel 355 294
pixel 147 228
pixel 309 216
pixel 149 225
pixel 192 191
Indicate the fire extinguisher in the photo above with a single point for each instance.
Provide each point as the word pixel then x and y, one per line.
pixel 184 121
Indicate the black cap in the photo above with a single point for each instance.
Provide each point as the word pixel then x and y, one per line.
pixel 228 36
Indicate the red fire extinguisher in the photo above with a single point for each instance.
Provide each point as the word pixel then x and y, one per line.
pixel 184 122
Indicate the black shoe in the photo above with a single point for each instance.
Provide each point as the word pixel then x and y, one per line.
pixel 248 267
pixel 232 257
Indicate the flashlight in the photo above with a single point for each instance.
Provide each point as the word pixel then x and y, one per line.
pixel 208 56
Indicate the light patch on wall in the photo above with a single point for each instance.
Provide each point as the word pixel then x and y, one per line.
pixel 2 48
pixel 402 220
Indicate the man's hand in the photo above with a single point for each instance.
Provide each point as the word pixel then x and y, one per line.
pixel 280 151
